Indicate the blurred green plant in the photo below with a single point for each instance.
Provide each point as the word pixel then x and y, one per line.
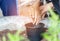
pixel 54 28
pixel 14 37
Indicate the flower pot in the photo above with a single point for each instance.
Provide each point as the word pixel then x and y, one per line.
pixel 11 24
pixel 34 31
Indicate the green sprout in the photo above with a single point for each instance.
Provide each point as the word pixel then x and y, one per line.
pixel 54 28
pixel 4 38
pixel 14 37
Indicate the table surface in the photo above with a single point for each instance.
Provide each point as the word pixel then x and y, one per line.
pixel 13 22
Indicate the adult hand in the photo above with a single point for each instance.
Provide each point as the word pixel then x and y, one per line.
pixel 34 11
pixel 44 9
pixel 31 10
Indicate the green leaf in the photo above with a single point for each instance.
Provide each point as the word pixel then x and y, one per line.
pixel 53 15
pixel 4 38
pixel 15 37
pixel 11 37
pixel 54 28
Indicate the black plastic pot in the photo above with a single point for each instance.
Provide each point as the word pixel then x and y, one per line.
pixel 34 32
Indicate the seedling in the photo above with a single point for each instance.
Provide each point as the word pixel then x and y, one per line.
pixel 54 28
pixel 14 37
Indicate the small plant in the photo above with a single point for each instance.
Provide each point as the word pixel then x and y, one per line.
pixel 14 37
pixel 54 28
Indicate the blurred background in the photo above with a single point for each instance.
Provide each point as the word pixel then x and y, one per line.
pixel 1 13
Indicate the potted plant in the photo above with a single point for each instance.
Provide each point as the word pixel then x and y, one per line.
pixel 34 31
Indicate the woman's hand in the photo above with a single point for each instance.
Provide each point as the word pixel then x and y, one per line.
pixel 31 10
pixel 44 8
pixel 43 11
pixel 34 11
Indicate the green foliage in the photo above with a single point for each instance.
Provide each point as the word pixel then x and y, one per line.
pixel 54 29
pixel 14 37
pixel 4 39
